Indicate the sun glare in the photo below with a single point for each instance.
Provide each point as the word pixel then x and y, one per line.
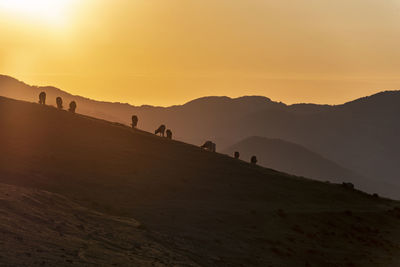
pixel 52 11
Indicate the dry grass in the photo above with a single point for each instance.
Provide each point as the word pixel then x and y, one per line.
pixel 204 206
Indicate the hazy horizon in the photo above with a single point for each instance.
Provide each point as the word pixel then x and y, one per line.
pixel 189 100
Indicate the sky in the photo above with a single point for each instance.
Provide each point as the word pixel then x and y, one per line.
pixel 165 52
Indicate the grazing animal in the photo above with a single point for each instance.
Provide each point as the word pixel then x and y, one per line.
pixel 160 130
pixel 253 160
pixel 59 103
pixel 134 121
pixel 348 185
pixel 72 107
pixel 169 134
pixel 237 155
pixel 210 146
pixel 42 98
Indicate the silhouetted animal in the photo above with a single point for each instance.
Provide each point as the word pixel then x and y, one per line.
pixel 169 134
pixel 348 185
pixel 160 130
pixel 72 107
pixel 42 98
pixel 59 103
pixel 253 160
pixel 237 155
pixel 210 146
pixel 134 121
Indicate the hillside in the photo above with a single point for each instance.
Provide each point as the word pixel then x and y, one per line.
pixel 12 88
pixel 361 136
pixel 194 122
pixel 40 228
pixel 206 208
pixel 298 160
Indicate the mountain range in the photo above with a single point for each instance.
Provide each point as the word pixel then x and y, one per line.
pixel 360 136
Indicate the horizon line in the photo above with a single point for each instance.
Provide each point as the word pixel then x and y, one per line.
pixel 378 91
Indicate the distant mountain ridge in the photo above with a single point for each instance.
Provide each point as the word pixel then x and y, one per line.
pixel 361 135
pixel 290 158
pixel 298 160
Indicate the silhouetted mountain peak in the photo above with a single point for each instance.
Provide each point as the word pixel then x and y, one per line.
pixel 5 79
pixel 253 98
pixel 381 98
pixel 221 100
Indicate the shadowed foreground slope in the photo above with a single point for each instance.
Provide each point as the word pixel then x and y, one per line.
pixel 42 228
pixel 208 207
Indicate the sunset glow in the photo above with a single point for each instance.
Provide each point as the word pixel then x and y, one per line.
pixel 199 133
pixel 51 11
pixel 169 52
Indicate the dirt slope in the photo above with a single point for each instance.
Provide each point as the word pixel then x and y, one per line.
pixel 43 228
pixel 208 207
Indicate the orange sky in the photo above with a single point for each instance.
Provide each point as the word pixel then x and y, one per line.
pixel 166 52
